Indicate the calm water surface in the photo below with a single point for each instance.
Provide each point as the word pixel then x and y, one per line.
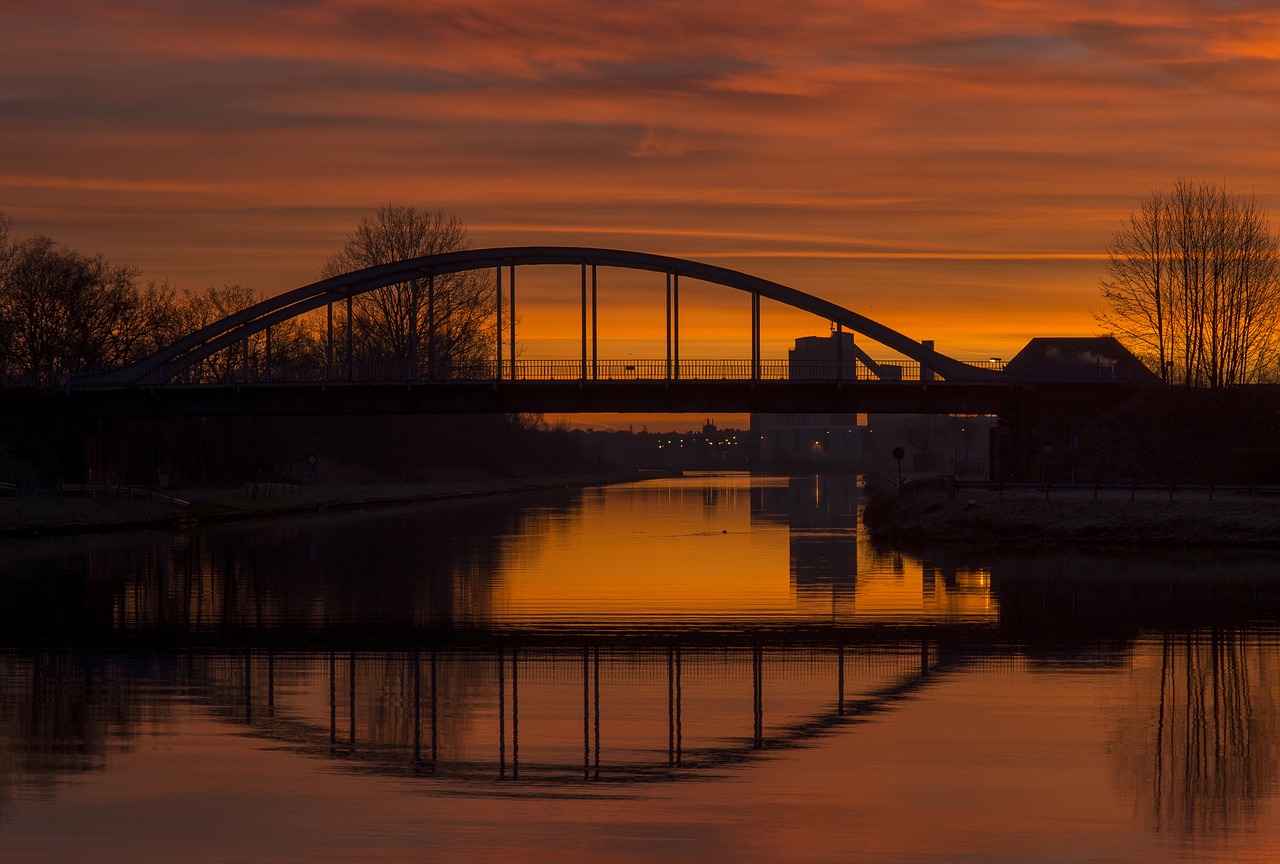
pixel 710 668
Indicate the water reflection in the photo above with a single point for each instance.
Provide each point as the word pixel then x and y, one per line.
pixel 1195 738
pixel 821 514
pixel 834 569
pixel 721 551
pixel 601 713
pixel 1197 741
pixel 396 572
pixel 626 638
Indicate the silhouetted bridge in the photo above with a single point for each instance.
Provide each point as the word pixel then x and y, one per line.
pixel 177 380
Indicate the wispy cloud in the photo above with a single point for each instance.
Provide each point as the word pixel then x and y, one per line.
pixel 944 142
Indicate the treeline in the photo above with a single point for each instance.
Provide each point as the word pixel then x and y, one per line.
pixel 43 452
pixel 227 451
pixel 64 313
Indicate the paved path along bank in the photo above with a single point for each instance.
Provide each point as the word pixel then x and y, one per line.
pixel 32 515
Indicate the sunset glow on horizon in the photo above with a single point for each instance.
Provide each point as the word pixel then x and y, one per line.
pixel 954 172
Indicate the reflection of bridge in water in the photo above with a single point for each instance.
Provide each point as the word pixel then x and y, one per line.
pixel 1194 736
pixel 563 713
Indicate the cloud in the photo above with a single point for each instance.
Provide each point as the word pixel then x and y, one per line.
pixel 107 184
pixel 659 144
pixel 915 140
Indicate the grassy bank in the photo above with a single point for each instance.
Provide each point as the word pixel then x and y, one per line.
pixel 986 519
pixel 22 516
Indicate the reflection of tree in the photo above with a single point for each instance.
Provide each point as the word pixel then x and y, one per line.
pixel 393 572
pixel 62 714
pixel 1200 744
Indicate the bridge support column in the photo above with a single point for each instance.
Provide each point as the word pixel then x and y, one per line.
pixel 584 320
pixel 511 273
pixel 497 372
pixel 669 370
pixel 328 342
pixel 839 351
pixel 432 372
pixel 675 324
pixel 595 330
pixel 755 335
pixel 413 330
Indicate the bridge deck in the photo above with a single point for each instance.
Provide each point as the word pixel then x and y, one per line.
pixel 557 397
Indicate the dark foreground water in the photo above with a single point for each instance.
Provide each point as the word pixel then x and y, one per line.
pixel 714 668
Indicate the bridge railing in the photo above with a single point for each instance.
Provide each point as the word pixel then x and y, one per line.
pixel 740 370
pixel 359 370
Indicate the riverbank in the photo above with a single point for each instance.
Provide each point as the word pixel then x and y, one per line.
pixel 983 518
pixel 30 515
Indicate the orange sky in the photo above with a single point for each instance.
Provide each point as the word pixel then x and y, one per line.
pixel 953 170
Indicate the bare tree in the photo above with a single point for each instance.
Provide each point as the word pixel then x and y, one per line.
pixel 6 325
pixel 289 349
pixel 1193 285
pixel 64 312
pixel 440 323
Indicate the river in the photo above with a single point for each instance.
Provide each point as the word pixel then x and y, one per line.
pixel 712 668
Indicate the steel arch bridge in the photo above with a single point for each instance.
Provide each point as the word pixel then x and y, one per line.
pixel 235 329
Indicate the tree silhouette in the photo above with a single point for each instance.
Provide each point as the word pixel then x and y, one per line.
pixel 62 312
pixel 1193 285
pixel 289 349
pixel 440 325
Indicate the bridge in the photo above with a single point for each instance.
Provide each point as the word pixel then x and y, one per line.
pixel 178 381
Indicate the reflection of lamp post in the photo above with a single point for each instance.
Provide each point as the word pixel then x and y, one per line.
pixel 898 453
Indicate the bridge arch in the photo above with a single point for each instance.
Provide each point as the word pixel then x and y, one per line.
pixel 234 328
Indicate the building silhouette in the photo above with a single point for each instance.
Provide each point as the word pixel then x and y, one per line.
pixel 828 440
